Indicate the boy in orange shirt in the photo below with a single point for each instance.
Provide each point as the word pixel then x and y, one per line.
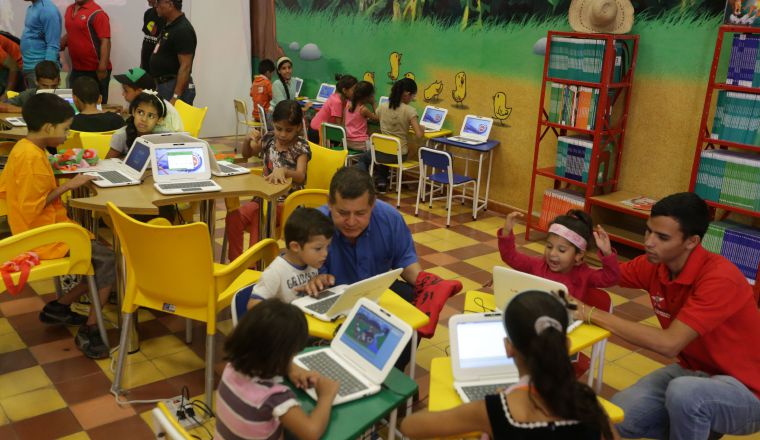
pixel 261 89
pixel 33 198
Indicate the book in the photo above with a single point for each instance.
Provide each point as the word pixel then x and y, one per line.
pixel 641 203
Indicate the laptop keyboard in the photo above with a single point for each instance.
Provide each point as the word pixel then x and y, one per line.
pixel 323 306
pixel 479 392
pixel 327 366
pixel 184 185
pixel 114 176
pixel 464 140
pixel 226 169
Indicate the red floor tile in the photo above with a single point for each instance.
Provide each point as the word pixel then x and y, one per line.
pixel 16 360
pixel 84 388
pixel 52 425
pixel 132 427
pixel 71 369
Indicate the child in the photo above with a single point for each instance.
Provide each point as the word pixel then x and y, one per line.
pixel 48 77
pixel 307 237
pixel 261 89
pixel 252 402
pixel 283 88
pixel 332 110
pixel 357 115
pixel 285 156
pixel 395 119
pixel 566 244
pixel 547 402
pixel 33 198
pixel 133 82
pixel 90 118
pixel 147 110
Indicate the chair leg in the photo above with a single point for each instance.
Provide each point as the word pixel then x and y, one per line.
pixel 399 179
pixel 223 257
pixel 448 204
pixel 188 331
pixel 95 303
pixel 474 204
pixel 126 323
pixel 209 369
pixel 58 287
pixel 420 193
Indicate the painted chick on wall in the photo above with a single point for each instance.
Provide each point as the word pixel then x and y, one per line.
pixel 369 77
pixel 460 88
pixel 433 91
pixel 500 110
pixel 395 60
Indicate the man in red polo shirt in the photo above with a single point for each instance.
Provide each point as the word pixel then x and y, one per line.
pixel 88 37
pixel 710 322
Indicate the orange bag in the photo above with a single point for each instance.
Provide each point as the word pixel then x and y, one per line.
pixel 22 263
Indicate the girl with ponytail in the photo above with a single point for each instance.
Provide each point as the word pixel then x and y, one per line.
pixel 547 403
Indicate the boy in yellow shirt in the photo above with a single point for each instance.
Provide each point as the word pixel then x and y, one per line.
pixel 33 198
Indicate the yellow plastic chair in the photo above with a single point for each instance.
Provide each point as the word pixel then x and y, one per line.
pixel 310 198
pixel 203 289
pixel 11 94
pixel 165 424
pixel 242 118
pixel 78 261
pixel 192 117
pixel 323 165
pixel 72 141
pixel 382 143
pixel 99 142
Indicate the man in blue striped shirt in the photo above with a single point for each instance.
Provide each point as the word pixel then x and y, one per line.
pixel 41 39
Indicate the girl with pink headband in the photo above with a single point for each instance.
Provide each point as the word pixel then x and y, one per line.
pixel 569 238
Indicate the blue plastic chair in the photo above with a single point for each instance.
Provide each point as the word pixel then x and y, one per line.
pixel 442 173
pixel 240 303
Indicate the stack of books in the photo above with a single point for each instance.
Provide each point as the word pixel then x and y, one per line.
pixel 581 59
pixel 737 118
pixel 730 177
pixel 574 158
pixel 740 244
pixel 744 64
pixel 574 106
pixel 558 202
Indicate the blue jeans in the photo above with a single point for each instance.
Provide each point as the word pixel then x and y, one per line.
pixel 675 403
pixel 166 91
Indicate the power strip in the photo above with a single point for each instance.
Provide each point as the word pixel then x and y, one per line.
pixel 173 405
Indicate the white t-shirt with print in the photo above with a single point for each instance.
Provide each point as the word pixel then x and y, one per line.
pixel 281 278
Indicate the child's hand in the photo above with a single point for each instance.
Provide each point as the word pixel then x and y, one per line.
pixel 254 136
pixel 303 378
pixel 79 180
pixel 317 284
pixel 327 388
pixel 602 240
pixel 277 176
pixel 510 222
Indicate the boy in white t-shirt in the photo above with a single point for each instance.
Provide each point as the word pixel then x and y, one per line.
pixel 307 236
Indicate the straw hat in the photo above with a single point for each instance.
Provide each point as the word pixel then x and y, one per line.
pixel 601 16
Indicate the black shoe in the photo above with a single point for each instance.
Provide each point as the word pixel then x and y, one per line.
pixel 89 341
pixel 57 313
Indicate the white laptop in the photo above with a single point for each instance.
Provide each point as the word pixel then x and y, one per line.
pixel 383 100
pixel 432 118
pixel 479 358
pixel 182 169
pixel 362 354
pixel 507 283
pixel 217 169
pixel 338 300
pixel 16 121
pixel 298 83
pixel 325 90
pixel 111 173
pixel 475 130
pixel 59 92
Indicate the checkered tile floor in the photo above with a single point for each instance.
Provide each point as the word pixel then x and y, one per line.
pixel 48 389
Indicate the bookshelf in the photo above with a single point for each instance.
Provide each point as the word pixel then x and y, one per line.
pixel 596 89
pixel 726 167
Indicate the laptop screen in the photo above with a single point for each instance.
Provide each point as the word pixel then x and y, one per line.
pixel 383 100
pixel 476 126
pixel 433 116
pixel 481 344
pixel 138 155
pixel 298 83
pixel 372 337
pixel 325 90
pixel 186 160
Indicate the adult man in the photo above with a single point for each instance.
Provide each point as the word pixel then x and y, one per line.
pixel 172 60
pixel 11 64
pixel 88 38
pixel 41 38
pixel 152 25
pixel 709 320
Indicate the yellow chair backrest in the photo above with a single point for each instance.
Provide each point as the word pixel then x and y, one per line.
pixel 12 94
pixel 75 236
pixel 323 165
pixel 310 198
pixel 101 143
pixel 383 143
pixel 72 141
pixel 192 117
pixel 169 268
pixel 240 109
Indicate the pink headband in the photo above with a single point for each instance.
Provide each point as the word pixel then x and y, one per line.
pixel 568 235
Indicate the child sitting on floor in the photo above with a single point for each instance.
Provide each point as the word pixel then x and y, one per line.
pixel 251 401
pixel 90 118
pixel 285 156
pixel 546 403
pixel 569 237
pixel 307 236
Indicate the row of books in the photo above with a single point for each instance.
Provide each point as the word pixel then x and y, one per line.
pixel 744 63
pixel 573 106
pixel 729 177
pixel 581 59
pixel 574 158
pixel 558 202
pixel 737 118
pixel 740 244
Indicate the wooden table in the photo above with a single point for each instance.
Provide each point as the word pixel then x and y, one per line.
pixel 14 133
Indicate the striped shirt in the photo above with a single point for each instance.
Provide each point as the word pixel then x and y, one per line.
pixel 250 408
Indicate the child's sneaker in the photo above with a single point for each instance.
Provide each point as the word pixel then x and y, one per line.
pixel 57 313
pixel 89 341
